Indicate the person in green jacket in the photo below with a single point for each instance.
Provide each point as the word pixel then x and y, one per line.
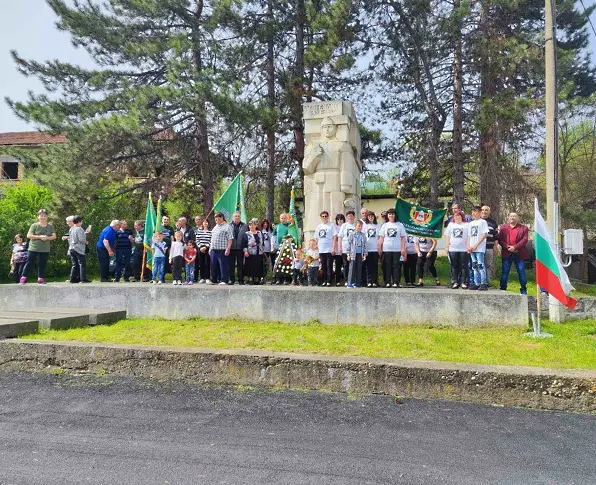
pixel 40 234
pixel 279 232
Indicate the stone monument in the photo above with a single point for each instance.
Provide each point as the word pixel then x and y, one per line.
pixel 332 164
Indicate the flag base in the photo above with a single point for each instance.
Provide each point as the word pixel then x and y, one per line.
pixel 538 334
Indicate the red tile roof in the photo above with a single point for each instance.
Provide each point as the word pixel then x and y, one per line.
pixel 31 138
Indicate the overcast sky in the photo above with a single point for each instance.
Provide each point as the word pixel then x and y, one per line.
pixel 28 26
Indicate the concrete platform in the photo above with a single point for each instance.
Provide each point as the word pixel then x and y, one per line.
pixel 51 320
pixel 94 316
pixel 15 327
pixel 422 306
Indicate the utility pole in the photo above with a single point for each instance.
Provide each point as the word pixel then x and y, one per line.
pixel 552 139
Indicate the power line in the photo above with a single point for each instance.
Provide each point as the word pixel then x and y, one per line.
pixel 589 20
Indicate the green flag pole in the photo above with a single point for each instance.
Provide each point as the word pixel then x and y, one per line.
pixel 228 202
pixel 241 200
pixel 293 227
pixel 158 216
pixel 149 230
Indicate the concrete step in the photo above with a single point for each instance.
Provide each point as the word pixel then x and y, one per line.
pixel 15 327
pixel 48 319
pixel 96 316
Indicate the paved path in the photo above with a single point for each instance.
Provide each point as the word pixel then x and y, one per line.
pixel 62 429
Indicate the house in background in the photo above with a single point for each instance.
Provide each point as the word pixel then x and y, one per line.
pixel 10 167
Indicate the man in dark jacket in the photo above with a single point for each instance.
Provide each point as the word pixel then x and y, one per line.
pixel 168 236
pixel 124 240
pixel 513 239
pixel 236 260
pixel 493 234
pixel 188 233
pixel 137 253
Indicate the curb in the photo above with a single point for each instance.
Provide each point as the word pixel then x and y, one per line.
pixel 552 389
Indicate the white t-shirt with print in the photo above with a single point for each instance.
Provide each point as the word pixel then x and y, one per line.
pixel 324 234
pixel 392 232
pixel 458 237
pixel 424 243
pixel 345 230
pixel 410 247
pixel 477 229
pixel 372 237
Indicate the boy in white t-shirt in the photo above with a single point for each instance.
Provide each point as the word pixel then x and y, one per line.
pixel 312 262
pixel 477 233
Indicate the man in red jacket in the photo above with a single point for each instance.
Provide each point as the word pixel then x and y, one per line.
pixel 513 239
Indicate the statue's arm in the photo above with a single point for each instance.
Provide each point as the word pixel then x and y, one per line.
pixel 312 157
pixel 348 170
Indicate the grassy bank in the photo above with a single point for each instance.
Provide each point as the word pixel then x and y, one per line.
pixel 573 345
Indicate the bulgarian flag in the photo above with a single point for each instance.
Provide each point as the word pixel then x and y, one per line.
pixel 550 274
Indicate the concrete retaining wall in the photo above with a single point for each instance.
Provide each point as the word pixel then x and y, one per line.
pixel 333 305
pixel 584 310
pixel 501 385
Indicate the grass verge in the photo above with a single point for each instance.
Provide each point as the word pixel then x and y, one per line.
pixel 573 345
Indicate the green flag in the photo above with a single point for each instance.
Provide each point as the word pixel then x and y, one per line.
pixel 228 202
pixel 242 207
pixel 420 221
pixel 149 229
pixel 293 227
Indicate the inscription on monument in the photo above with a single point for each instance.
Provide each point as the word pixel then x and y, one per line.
pixel 320 110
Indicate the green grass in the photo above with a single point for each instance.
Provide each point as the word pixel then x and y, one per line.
pixel 573 345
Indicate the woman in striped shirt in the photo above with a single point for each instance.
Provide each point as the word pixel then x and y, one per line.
pixel 203 239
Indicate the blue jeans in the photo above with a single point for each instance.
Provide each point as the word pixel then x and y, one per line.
pixel 104 262
pixel 521 272
pixel 219 260
pixel 159 269
pixel 477 259
pixel 189 272
pixel 123 263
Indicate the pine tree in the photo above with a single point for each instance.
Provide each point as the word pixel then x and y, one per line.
pixel 158 105
pixel 507 48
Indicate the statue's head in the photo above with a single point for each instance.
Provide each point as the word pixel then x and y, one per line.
pixel 328 127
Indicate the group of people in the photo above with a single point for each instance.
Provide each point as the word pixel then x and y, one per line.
pixel 344 251
pixel 470 245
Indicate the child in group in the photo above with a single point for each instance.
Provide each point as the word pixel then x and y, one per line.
pixel 190 257
pixel 18 258
pixel 356 254
pixel 177 257
pixel 298 265
pixel 158 247
pixel 311 262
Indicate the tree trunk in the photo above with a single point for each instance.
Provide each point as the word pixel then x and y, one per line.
pixel 201 134
pixel 298 87
pixel 433 161
pixel 270 184
pixel 489 173
pixel 458 161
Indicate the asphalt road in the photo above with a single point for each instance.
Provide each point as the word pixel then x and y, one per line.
pixel 65 429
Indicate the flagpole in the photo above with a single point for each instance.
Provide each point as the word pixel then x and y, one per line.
pixel 537 319
pixel 143 264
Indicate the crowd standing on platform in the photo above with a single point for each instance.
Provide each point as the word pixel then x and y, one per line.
pixel 344 251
